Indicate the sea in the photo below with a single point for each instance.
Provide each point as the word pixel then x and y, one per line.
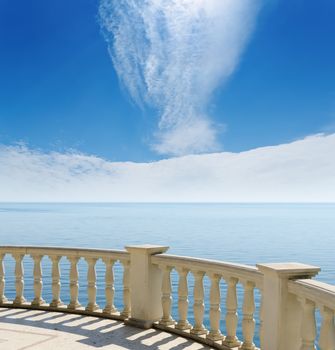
pixel 238 233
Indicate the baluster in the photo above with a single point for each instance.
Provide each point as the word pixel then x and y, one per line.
pixel 74 285
pixel 215 310
pixel 231 339
pixel 327 333
pixel 248 322
pixel 198 307
pixel 166 297
pixel 126 289
pixel 183 323
pixel 308 325
pixel 38 283
pixel 109 286
pixel 19 281
pixel 261 316
pixel 3 299
pixel 56 285
pixel 91 285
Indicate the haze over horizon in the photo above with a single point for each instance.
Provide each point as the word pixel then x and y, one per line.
pixel 302 171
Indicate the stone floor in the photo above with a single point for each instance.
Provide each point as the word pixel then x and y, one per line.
pixel 30 329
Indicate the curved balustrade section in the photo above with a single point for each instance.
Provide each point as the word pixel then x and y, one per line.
pixel 313 295
pixel 232 274
pixel 72 255
pixel 278 302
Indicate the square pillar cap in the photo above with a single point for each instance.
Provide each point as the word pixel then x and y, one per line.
pixel 148 249
pixel 289 270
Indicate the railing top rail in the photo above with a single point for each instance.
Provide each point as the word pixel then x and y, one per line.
pixel 65 251
pixel 323 294
pixel 241 271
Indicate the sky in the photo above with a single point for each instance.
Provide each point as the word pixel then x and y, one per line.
pixel 161 80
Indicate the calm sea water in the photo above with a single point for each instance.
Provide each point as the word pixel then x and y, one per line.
pixel 244 233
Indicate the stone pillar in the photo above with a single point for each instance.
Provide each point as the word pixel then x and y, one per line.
pixel 109 286
pixel 56 285
pixel 91 285
pixel 215 310
pixel 145 285
pixel 3 299
pixel 74 285
pixel 199 306
pixel 126 289
pixel 167 319
pixel 38 283
pixel 280 309
pixel 183 323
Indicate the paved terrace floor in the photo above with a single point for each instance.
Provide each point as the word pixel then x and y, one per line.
pixel 39 330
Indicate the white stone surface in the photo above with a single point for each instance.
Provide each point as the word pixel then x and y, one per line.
pixel 20 330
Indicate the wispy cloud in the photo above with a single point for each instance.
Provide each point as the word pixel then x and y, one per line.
pixel 303 170
pixel 172 54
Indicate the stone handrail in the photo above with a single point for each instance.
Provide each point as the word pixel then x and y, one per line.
pixel 287 291
pixel 313 295
pixel 73 255
pixel 232 274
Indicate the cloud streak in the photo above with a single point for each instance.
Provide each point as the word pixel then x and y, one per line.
pixel 171 55
pixel 301 171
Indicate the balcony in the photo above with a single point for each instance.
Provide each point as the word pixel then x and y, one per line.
pixel 174 302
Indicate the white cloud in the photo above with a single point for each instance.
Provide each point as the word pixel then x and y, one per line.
pixel 303 170
pixel 172 54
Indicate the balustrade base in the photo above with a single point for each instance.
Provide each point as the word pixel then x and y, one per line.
pixel 183 326
pixel 74 306
pixel 200 331
pixel 203 339
pixel 247 347
pixel 125 314
pixel 168 322
pixel 3 300
pixel 215 336
pixel 145 324
pixel 38 302
pixel 110 310
pixel 19 301
pixel 231 343
pixel 56 303
pixel 92 307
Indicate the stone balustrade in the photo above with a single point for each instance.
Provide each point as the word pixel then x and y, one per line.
pixel 312 295
pixel 72 255
pixel 154 284
pixel 232 274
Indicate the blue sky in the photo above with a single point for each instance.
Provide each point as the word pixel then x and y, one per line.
pixel 59 89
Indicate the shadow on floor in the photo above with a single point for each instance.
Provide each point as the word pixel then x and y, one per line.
pixel 98 332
